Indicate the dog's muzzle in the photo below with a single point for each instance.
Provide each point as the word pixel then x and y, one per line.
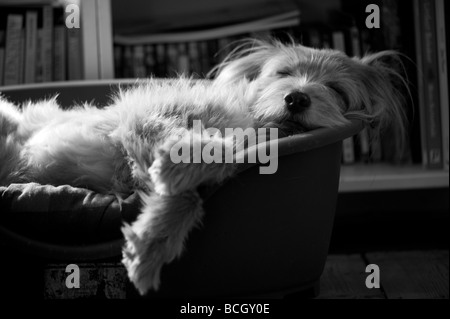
pixel 297 101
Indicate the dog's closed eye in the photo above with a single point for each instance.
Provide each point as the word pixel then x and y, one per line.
pixel 284 73
pixel 340 92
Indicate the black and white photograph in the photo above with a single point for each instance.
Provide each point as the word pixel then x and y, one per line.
pixel 215 158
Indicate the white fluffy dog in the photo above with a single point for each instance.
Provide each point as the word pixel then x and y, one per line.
pixel 125 147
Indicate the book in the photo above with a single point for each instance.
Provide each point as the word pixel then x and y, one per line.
pixel 204 57
pixel 431 84
pixel 443 77
pixel 21 55
pixel 183 63
pixel 2 55
pixel 194 58
pixel 39 69
pixel 104 39
pixel 74 54
pixel 47 43
pixel 150 60
pixel 420 82
pixel 363 136
pixel 59 46
pixel 89 37
pixel 118 61
pixel 161 61
pixel 348 147
pixel 12 62
pixel 172 59
pixel 139 70
pixel 31 23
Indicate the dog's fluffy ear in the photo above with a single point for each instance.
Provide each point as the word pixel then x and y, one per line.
pixel 244 62
pixel 387 91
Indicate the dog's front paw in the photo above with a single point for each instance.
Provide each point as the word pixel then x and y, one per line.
pixel 143 260
pixel 157 236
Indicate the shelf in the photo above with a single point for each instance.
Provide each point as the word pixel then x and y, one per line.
pixel 383 177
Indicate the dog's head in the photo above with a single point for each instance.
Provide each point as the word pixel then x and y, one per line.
pixel 313 88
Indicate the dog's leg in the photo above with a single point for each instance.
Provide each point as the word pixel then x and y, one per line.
pixel 157 236
pixel 173 173
pixel 9 118
pixel 170 213
pixel 10 145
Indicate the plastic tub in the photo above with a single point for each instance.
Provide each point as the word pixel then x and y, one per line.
pixel 261 235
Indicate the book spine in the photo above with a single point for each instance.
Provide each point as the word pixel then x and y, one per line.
pixel 60 53
pixel 161 62
pixel 59 45
pixel 104 36
pixel 212 53
pixel 420 82
pixel 194 57
pixel 38 70
pixel 204 57
pixel 2 56
pixel 223 48
pixel 355 41
pixel 364 145
pixel 443 77
pixel 118 64
pixel 12 49
pixel 150 60
pixel 363 136
pixel 2 60
pixel 315 40
pixel 22 56
pixel 89 41
pixel 138 62
pixel 348 147
pixel 74 52
pixel 183 63
pixel 431 81
pixel 47 43
pixel 30 46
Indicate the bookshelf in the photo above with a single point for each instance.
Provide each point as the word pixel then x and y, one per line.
pixel 337 30
pixel 384 177
pixel 55 40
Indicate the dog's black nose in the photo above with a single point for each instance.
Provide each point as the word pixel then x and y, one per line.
pixel 297 101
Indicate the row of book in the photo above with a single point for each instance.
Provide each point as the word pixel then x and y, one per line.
pixel 361 148
pixel 197 58
pixel 36 46
pixel 432 63
pixel 416 29
pixel 194 58
pixel 55 40
pixel 192 53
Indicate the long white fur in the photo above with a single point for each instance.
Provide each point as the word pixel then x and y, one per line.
pixel 125 146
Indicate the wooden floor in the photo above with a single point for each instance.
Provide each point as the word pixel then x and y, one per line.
pixel 415 274
pixel 403 275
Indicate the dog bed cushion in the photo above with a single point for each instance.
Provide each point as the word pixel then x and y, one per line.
pixel 64 214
